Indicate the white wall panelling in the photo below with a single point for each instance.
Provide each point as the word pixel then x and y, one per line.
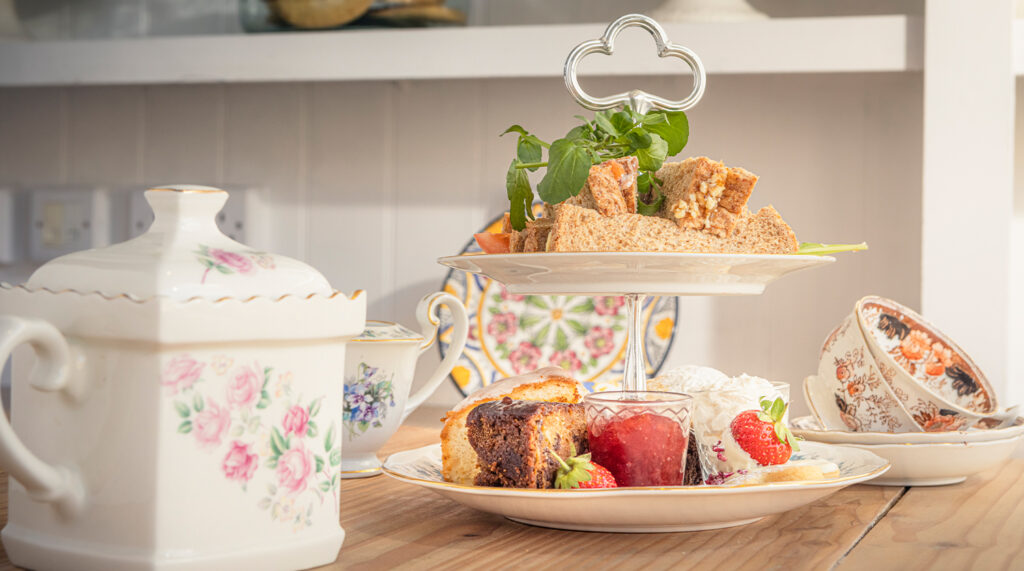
pixel 372 181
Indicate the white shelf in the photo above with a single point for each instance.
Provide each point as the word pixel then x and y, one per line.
pixel 1018 47
pixel 794 45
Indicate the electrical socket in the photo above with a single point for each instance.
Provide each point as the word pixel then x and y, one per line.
pixel 65 220
pixel 241 219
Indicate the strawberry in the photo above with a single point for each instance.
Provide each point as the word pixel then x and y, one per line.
pixel 763 435
pixel 580 472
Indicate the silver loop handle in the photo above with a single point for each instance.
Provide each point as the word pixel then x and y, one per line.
pixel 641 101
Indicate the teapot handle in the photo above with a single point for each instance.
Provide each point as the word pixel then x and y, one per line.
pixel 426 313
pixel 43 482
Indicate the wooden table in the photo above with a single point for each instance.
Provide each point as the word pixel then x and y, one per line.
pixel 978 524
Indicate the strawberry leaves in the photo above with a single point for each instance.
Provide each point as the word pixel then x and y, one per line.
pixel 573 470
pixel 773 412
pixel 652 137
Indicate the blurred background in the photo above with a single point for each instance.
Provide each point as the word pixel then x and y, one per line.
pixel 371 149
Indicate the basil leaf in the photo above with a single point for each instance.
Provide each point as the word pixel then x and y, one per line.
pixel 603 119
pixel 650 209
pixel 654 155
pixel 568 166
pixel 514 129
pixel 638 139
pixel 579 132
pixel 643 183
pixel 655 118
pixel 520 195
pixel 675 132
pixel 823 249
pixel 623 122
pixel 529 150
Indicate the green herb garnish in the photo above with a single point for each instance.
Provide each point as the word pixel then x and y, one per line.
pixel 810 248
pixel 652 137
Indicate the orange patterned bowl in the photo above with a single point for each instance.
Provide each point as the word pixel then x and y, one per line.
pixel 933 378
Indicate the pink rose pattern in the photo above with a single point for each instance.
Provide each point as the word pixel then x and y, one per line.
pixel 295 421
pixel 211 424
pixel 608 305
pixel 505 295
pixel 525 358
pixel 227 262
pixel 248 442
pixel 599 341
pixel 502 326
pixel 294 468
pixel 181 373
pixel 240 463
pixel 567 360
pixel 243 388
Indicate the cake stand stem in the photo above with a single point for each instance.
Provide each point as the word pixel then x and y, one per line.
pixel 634 375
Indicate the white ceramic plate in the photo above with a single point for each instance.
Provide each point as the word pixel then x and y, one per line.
pixel 641 510
pixel 938 464
pixel 809 428
pixel 614 273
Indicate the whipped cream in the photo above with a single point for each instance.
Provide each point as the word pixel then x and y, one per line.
pixel 717 399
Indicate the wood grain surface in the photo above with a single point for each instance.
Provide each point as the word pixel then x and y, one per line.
pixel 980 523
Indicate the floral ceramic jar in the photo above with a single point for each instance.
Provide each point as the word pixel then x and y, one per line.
pixel 181 407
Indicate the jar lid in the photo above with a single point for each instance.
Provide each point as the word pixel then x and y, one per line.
pixel 182 256
pixel 387 331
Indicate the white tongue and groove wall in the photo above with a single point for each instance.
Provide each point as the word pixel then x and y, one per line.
pixel 371 181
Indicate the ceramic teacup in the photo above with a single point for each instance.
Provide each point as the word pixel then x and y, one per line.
pixel 849 392
pixel 933 377
pixel 379 369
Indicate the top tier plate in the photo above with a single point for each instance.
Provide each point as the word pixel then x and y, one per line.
pixel 617 273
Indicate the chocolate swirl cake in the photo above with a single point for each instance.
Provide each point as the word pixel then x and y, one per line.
pixel 516 441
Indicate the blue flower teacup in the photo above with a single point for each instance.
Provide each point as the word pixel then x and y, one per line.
pixel 379 369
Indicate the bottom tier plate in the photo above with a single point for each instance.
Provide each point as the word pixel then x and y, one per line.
pixel 642 510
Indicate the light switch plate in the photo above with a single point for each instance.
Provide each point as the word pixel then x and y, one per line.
pixel 65 220
pixel 8 248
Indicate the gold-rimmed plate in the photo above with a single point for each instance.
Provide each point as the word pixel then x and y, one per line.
pixel 652 273
pixel 642 510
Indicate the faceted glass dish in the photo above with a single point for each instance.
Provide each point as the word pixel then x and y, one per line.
pixel 639 436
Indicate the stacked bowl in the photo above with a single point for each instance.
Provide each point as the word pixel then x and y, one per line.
pixel 890 382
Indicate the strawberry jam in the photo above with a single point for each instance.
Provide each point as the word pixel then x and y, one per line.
pixel 645 449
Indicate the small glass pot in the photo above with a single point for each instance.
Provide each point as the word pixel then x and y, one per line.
pixel 639 436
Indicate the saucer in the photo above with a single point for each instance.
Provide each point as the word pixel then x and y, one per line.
pixel 923 458
pixel 809 428
pixel 938 464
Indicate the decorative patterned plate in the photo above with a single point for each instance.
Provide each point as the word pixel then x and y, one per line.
pixel 642 510
pixel 512 334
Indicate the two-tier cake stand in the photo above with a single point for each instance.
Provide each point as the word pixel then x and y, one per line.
pixel 634 275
